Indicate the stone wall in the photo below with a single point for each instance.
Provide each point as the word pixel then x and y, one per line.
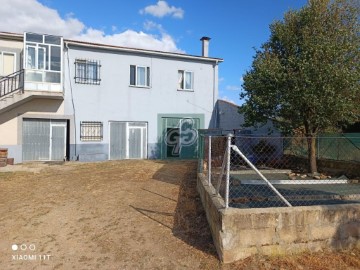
pixel 239 233
pixel 333 167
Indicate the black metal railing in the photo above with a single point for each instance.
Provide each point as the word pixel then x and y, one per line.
pixel 12 83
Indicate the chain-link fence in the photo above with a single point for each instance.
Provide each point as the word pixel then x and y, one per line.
pixel 263 171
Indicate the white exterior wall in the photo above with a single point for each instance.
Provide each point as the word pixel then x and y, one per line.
pixel 115 100
pixel 12 46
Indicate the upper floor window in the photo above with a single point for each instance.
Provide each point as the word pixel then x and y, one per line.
pixel 7 63
pixel 42 59
pixel 185 80
pixel 87 71
pixel 139 76
pixel 42 52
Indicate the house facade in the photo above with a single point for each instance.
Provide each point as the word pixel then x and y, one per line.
pixel 66 99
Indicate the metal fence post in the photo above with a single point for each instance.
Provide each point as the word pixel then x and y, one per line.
pixel 209 161
pixel 228 149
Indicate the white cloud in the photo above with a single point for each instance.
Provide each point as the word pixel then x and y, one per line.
pixel 31 16
pixel 162 9
pixel 150 25
pixel 233 88
pixel 133 39
pixel 221 79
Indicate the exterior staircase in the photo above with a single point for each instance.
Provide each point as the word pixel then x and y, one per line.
pixel 12 83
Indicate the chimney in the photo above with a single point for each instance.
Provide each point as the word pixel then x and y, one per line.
pixel 205 46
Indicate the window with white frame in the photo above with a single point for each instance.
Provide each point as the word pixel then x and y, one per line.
pixel 43 52
pixel 87 71
pixel 185 80
pixel 42 58
pixel 91 131
pixel 7 63
pixel 139 76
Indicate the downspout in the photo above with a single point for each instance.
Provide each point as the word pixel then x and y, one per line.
pixel 72 99
pixel 214 89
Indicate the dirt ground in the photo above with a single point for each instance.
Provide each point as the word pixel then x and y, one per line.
pixel 119 215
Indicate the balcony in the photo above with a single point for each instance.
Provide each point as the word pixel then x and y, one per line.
pixel 42 80
pixel 25 85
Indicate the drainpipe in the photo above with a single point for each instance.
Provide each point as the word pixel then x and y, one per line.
pixel 214 83
pixel 72 99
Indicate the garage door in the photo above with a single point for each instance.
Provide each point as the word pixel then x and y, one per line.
pixel 128 140
pixel 44 139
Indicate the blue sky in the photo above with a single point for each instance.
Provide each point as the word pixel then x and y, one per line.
pixel 235 26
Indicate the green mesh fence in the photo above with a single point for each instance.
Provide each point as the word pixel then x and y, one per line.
pixel 345 147
pixel 339 147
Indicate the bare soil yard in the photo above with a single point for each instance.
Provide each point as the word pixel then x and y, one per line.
pixel 119 215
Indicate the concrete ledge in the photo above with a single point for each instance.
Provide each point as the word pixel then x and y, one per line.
pixel 239 233
pixel 295 182
pixel 17 98
pixel 92 157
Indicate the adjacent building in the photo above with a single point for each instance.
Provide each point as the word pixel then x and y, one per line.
pixel 227 119
pixel 73 100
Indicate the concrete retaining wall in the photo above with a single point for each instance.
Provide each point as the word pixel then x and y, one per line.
pixel 240 233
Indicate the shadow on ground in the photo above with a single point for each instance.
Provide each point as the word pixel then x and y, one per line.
pixel 190 224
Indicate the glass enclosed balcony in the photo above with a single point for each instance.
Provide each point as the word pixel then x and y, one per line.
pixel 42 62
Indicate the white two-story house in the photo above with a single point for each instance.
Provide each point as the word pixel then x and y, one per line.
pixel 66 99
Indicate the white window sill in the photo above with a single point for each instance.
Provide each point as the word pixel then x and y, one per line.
pixel 140 86
pixel 186 90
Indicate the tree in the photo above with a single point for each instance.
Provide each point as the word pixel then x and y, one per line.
pixel 307 74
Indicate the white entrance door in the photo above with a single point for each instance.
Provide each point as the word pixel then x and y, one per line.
pixel 58 141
